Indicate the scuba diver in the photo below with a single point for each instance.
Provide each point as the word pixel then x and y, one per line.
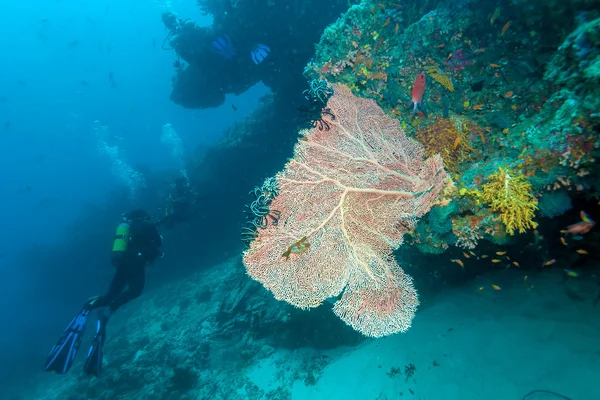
pixel 136 244
pixel 180 203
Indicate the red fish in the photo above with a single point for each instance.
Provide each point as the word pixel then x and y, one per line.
pixel 417 93
pixel 582 227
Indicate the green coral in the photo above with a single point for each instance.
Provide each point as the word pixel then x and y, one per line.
pixel 553 204
pixel 509 194
pixel 440 218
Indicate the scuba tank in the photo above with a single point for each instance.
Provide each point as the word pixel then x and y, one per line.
pixel 120 242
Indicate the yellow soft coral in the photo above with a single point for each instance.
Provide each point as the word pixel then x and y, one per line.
pixel 440 77
pixel 510 195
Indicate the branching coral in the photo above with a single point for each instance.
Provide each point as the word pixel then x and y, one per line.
pixel 468 231
pixel 510 194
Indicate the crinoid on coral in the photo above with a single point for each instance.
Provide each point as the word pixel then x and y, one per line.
pixel 448 137
pixel 261 213
pixel 509 194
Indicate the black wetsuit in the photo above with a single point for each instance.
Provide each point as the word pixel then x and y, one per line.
pixel 143 249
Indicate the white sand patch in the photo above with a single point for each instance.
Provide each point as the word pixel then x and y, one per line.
pixel 472 344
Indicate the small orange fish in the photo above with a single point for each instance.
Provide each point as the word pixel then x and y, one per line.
pixel 548 263
pixel 563 241
pixel 496 75
pixel 477 107
pixel 397 27
pixel 459 262
pixel 508 94
pixel 480 287
pixel 516 264
pixel 496 287
pixel 471 253
pixel 381 6
pixel 466 255
pixel 440 46
pixel 495 260
pixel 484 256
pixel 387 21
pixel 505 28
pixel 479 51
pixel 501 253
pixel 495 65
pixel 456 142
pixel 525 278
pixel 514 108
pixel 581 251
pixel 449 56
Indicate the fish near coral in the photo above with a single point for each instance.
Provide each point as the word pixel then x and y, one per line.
pixel 583 227
pixel 548 263
pixel 298 247
pixel 456 142
pixel 495 16
pixel 417 93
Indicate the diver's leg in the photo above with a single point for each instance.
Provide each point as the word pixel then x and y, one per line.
pixel 136 280
pixel 117 285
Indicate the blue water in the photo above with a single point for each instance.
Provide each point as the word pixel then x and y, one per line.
pixel 54 83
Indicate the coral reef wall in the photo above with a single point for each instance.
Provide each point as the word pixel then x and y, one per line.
pixel 511 98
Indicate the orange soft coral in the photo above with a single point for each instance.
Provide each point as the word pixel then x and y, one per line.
pixel 448 138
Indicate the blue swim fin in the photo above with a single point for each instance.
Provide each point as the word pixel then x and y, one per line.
pixel 63 354
pixel 93 364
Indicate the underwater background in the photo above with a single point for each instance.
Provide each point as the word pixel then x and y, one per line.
pixel 293 120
